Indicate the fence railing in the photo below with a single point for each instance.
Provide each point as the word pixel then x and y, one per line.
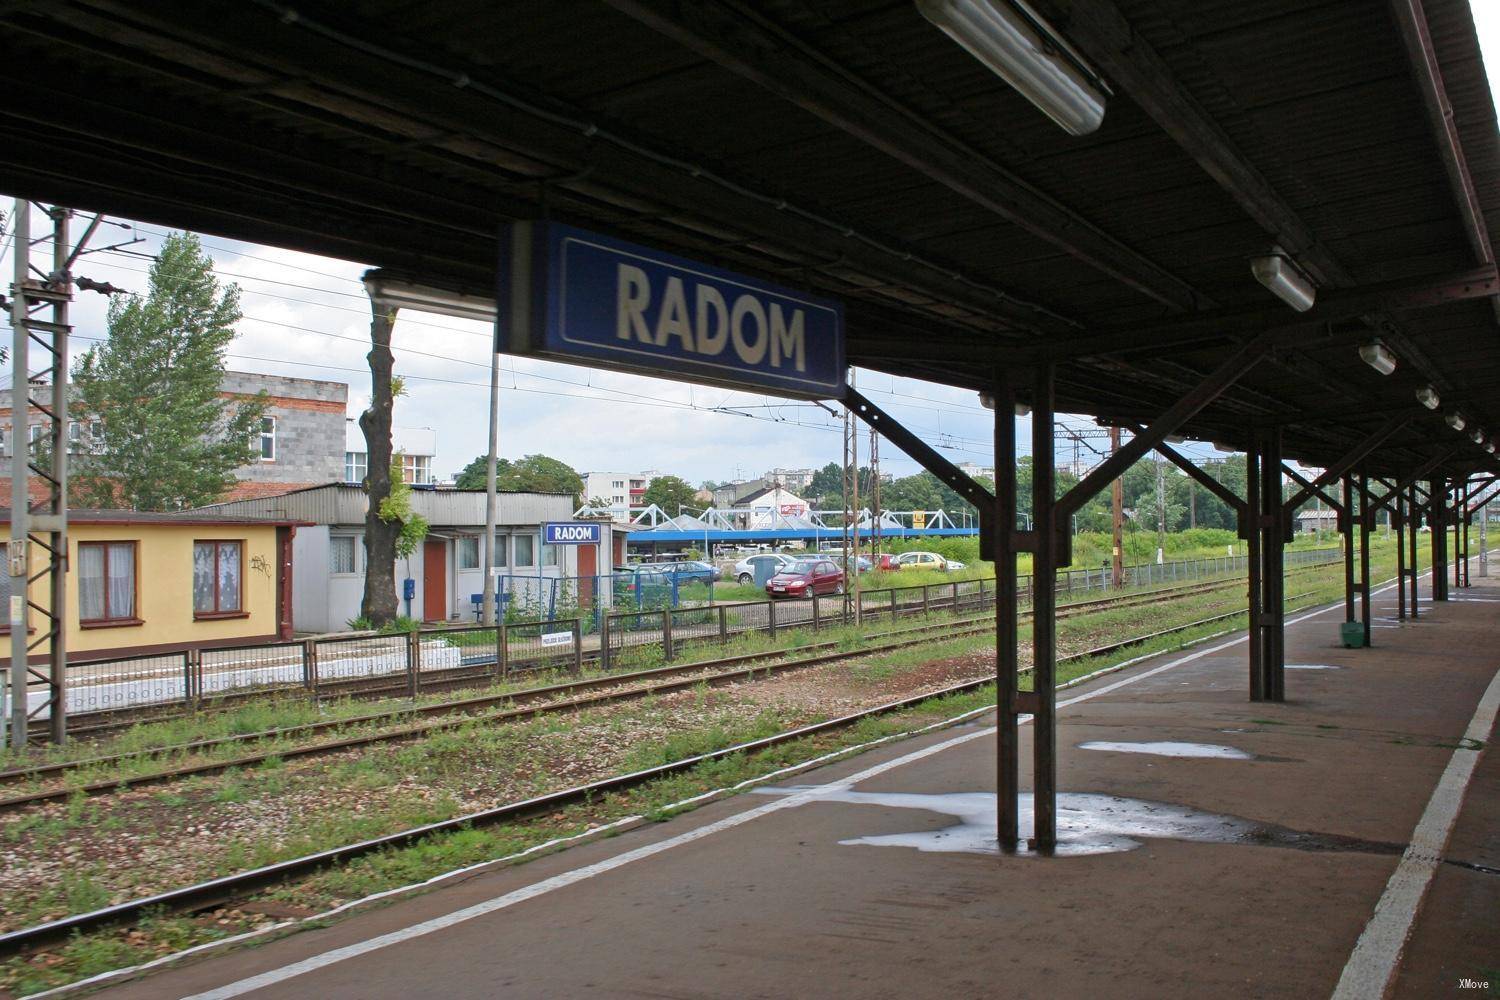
pixel 430 659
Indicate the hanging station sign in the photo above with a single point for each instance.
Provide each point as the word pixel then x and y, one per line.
pixel 575 296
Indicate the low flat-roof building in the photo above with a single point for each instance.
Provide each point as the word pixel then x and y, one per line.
pixel 445 571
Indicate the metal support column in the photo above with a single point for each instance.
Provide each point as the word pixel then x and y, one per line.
pixel 1412 524
pixel 1273 523
pixel 1365 516
pixel 1003 527
pixel 1398 523
pixel 1346 527
pixel 1250 529
pixel 1438 522
pixel 1043 614
pixel 1464 518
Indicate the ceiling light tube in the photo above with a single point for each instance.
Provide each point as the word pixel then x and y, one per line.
pixel 1489 446
pixel 1428 397
pixel 1023 50
pixel 1284 279
pixel 987 400
pixel 1378 357
pixel 1456 420
pixel 1477 435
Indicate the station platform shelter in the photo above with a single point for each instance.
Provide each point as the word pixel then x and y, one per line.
pixel 1316 847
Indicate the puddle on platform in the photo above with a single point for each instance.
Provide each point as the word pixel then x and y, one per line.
pixel 1167 748
pixel 1313 666
pixel 1087 823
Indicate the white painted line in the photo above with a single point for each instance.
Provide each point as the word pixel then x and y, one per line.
pixel 1372 964
pixel 565 879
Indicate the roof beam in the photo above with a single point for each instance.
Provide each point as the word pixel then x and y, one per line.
pixel 748 44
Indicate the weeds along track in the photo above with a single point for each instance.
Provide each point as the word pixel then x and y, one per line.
pixel 567 695
pixel 104 723
pixel 228 889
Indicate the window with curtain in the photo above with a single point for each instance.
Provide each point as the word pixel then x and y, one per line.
pixel 502 550
pixel 217 577
pixel 468 552
pixel 106 582
pixel 549 554
pixel 341 554
pixel 525 550
pixel 266 442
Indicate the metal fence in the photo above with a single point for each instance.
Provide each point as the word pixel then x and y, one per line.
pixel 432 659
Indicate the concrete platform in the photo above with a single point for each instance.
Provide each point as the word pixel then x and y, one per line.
pixel 764 895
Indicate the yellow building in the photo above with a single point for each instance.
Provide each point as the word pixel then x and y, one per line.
pixel 142 582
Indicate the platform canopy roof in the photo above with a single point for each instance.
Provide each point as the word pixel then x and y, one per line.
pixel 849 147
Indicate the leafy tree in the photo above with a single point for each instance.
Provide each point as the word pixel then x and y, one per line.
pixel 473 476
pixel 668 493
pixel 828 481
pixel 163 437
pixel 540 474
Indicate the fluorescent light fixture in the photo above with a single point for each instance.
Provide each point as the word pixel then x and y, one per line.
pixel 1489 446
pixel 1285 280
pixel 1428 397
pixel 393 291
pixel 1477 435
pixel 1175 439
pixel 1221 446
pixel 987 400
pixel 1456 420
pixel 1378 357
pixel 1023 50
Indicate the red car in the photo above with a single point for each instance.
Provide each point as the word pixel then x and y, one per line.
pixel 886 563
pixel 806 577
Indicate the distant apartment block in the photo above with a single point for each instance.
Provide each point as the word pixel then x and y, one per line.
pixel 976 471
pixel 617 491
pixel 795 480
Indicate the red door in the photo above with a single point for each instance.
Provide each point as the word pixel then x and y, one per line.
pixel 435 580
pixel 588 566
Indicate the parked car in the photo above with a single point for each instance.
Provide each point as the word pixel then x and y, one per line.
pixel 744 570
pixel 806 577
pixel 886 562
pixel 689 570
pixel 928 560
pixel 862 564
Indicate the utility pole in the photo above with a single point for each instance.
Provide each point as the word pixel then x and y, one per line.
pixel 490 490
pixel 848 526
pixel 851 556
pixel 1117 517
pixel 40 526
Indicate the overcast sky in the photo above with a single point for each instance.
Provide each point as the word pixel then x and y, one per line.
pixel 308 316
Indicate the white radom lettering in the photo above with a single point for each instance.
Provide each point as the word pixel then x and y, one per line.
pixel 633 295
pixel 711 341
pixel 748 305
pixel 673 320
pixel 787 342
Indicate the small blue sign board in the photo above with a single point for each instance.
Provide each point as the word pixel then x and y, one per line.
pixel 570 533
pixel 572 295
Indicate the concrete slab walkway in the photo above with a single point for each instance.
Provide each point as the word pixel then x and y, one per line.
pixel 1262 890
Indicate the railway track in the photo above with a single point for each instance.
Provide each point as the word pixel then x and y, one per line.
pixel 99 724
pixel 555 697
pixel 218 892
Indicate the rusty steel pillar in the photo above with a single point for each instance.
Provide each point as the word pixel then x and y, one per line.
pixel 1273 522
pixel 1365 517
pixel 1398 526
pixel 1002 526
pixel 1346 527
pixel 1043 614
pixel 1438 521
pixel 1464 517
pixel 1250 530
pixel 1413 523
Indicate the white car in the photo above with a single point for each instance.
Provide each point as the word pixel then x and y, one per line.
pixel 927 560
pixel 744 570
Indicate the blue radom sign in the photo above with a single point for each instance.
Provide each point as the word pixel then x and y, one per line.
pixel 570 533
pixel 576 296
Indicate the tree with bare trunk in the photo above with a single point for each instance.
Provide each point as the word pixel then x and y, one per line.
pixel 379 603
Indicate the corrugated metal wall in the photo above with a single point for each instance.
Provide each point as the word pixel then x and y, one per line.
pixel 340 504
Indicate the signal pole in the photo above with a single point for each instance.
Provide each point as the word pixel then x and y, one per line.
pixel 875 491
pixel 40 527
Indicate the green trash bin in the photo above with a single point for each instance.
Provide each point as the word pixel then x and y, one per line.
pixel 1352 634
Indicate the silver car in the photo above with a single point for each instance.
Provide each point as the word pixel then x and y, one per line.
pixel 744 570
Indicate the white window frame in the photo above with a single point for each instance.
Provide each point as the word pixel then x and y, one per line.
pixel 463 542
pixel 516 554
pixel 360 462
pixel 262 435
pixel 354 561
